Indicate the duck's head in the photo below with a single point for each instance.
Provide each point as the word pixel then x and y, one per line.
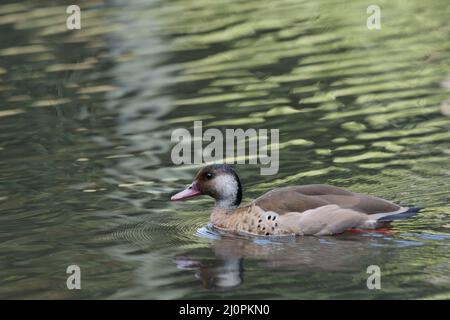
pixel 219 181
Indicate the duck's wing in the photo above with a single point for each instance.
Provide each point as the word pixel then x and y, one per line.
pixel 325 220
pixel 302 198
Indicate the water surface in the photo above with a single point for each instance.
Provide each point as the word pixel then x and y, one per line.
pixel 86 119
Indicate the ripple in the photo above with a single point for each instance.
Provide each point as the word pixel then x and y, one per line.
pixel 188 229
pixel 139 232
pixel 208 233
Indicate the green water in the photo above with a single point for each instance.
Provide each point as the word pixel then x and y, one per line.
pixel 86 118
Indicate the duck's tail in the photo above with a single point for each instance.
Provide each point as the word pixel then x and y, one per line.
pixel 398 215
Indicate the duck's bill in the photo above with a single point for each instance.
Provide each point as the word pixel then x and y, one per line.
pixel 187 193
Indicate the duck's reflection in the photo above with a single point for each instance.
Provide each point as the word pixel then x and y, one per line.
pixel 222 275
pixel 221 266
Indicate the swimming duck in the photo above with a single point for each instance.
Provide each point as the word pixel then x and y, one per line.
pixel 316 209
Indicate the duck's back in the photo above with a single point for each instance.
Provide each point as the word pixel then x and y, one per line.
pixel 302 198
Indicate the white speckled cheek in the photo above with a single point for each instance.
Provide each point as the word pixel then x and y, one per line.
pixel 226 186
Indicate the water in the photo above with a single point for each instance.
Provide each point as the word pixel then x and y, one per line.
pixel 86 119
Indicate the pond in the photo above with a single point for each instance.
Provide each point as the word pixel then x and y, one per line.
pixel 86 120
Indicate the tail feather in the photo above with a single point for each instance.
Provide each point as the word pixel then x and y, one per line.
pixel 400 216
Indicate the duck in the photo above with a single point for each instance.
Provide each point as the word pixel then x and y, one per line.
pixel 303 210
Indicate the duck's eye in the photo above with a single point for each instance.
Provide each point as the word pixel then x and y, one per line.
pixel 209 175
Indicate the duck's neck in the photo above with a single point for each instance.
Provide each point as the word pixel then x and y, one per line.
pixel 226 204
pixel 230 193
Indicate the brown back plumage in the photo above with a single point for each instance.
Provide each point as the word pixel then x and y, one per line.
pixel 302 198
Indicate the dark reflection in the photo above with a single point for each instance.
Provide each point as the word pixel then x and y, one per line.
pixel 225 273
pixel 222 265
